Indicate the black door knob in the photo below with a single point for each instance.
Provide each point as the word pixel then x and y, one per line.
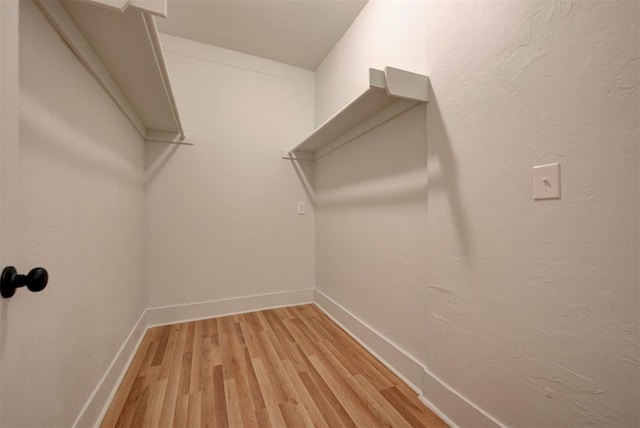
pixel 35 280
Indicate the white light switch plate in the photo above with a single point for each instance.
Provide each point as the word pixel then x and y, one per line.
pixel 546 181
pixel 302 208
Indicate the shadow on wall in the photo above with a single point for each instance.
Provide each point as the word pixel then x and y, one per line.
pixel 398 162
pixel 156 157
pixel 443 174
pixel 385 166
pixel 45 131
pixel 409 158
pixel 306 173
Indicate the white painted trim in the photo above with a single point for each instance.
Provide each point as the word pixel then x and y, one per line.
pixel 437 411
pixel 165 137
pixel 407 85
pixel 98 403
pixel 64 25
pixel 402 364
pixel 115 5
pixel 215 308
pixel 443 400
pixel 154 7
pixel 299 155
pixel 154 39
pixel 378 119
pixel 96 406
pixel 390 93
pixel 57 15
pixel 448 401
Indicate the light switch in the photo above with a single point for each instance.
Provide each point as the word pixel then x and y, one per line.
pixel 546 181
pixel 302 208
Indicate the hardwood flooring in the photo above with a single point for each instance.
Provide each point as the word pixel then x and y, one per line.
pixel 289 367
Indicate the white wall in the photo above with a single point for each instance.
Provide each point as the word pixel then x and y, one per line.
pixel 371 195
pixel 221 215
pixel 535 304
pixel 528 309
pixel 387 32
pixel 81 184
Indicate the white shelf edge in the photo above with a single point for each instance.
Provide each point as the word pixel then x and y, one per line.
pixel 154 37
pixel 64 25
pixel 391 92
pixel 383 116
pixel 154 7
pixel 116 5
pixel 297 155
pixel 165 137
pixel 71 34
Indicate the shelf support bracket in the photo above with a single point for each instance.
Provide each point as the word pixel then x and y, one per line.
pixel 296 155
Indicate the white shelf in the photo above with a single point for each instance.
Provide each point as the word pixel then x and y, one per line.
pixel 391 91
pixel 117 41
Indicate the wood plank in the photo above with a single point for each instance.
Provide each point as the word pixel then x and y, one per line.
pixel 181 413
pixel 208 417
pixel 271 399
pixel 358 412
pixel 234 413
pixel 154 405
pixel 282 367
pixel 194 410
pixel 122 395
pixel 220 404
pixel 195 382
pixel 306 398
pixel 169 406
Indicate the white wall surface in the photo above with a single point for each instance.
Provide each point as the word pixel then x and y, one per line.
pixel 386 33
pixel 371 195
pixel 81 184
pixel 221 215
pixel 534 305
pixel 371 211
pixel 528 309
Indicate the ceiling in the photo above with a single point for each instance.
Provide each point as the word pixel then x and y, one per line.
pixel 295 32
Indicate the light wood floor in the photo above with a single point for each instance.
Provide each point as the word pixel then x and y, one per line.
pixel 283 367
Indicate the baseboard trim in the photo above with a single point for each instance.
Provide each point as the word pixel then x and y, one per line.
pixel 216 308
pixel 448 401
pixel 443 400
pixel 98 403
pixel 95 407
pixel 402 364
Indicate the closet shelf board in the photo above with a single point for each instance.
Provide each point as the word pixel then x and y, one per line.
pixel 391 92
pixel 118 43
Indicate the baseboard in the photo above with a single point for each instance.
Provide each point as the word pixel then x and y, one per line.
pixel 216 308
pixel 446 402
pixel 443 400
pixel 98 403
pixel 398 361
pixel 95 407
pixel 457 410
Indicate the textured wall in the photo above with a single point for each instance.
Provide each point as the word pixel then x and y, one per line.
pixel 534 305
pixel 528 309
pixel 221 214
pixel 81 186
